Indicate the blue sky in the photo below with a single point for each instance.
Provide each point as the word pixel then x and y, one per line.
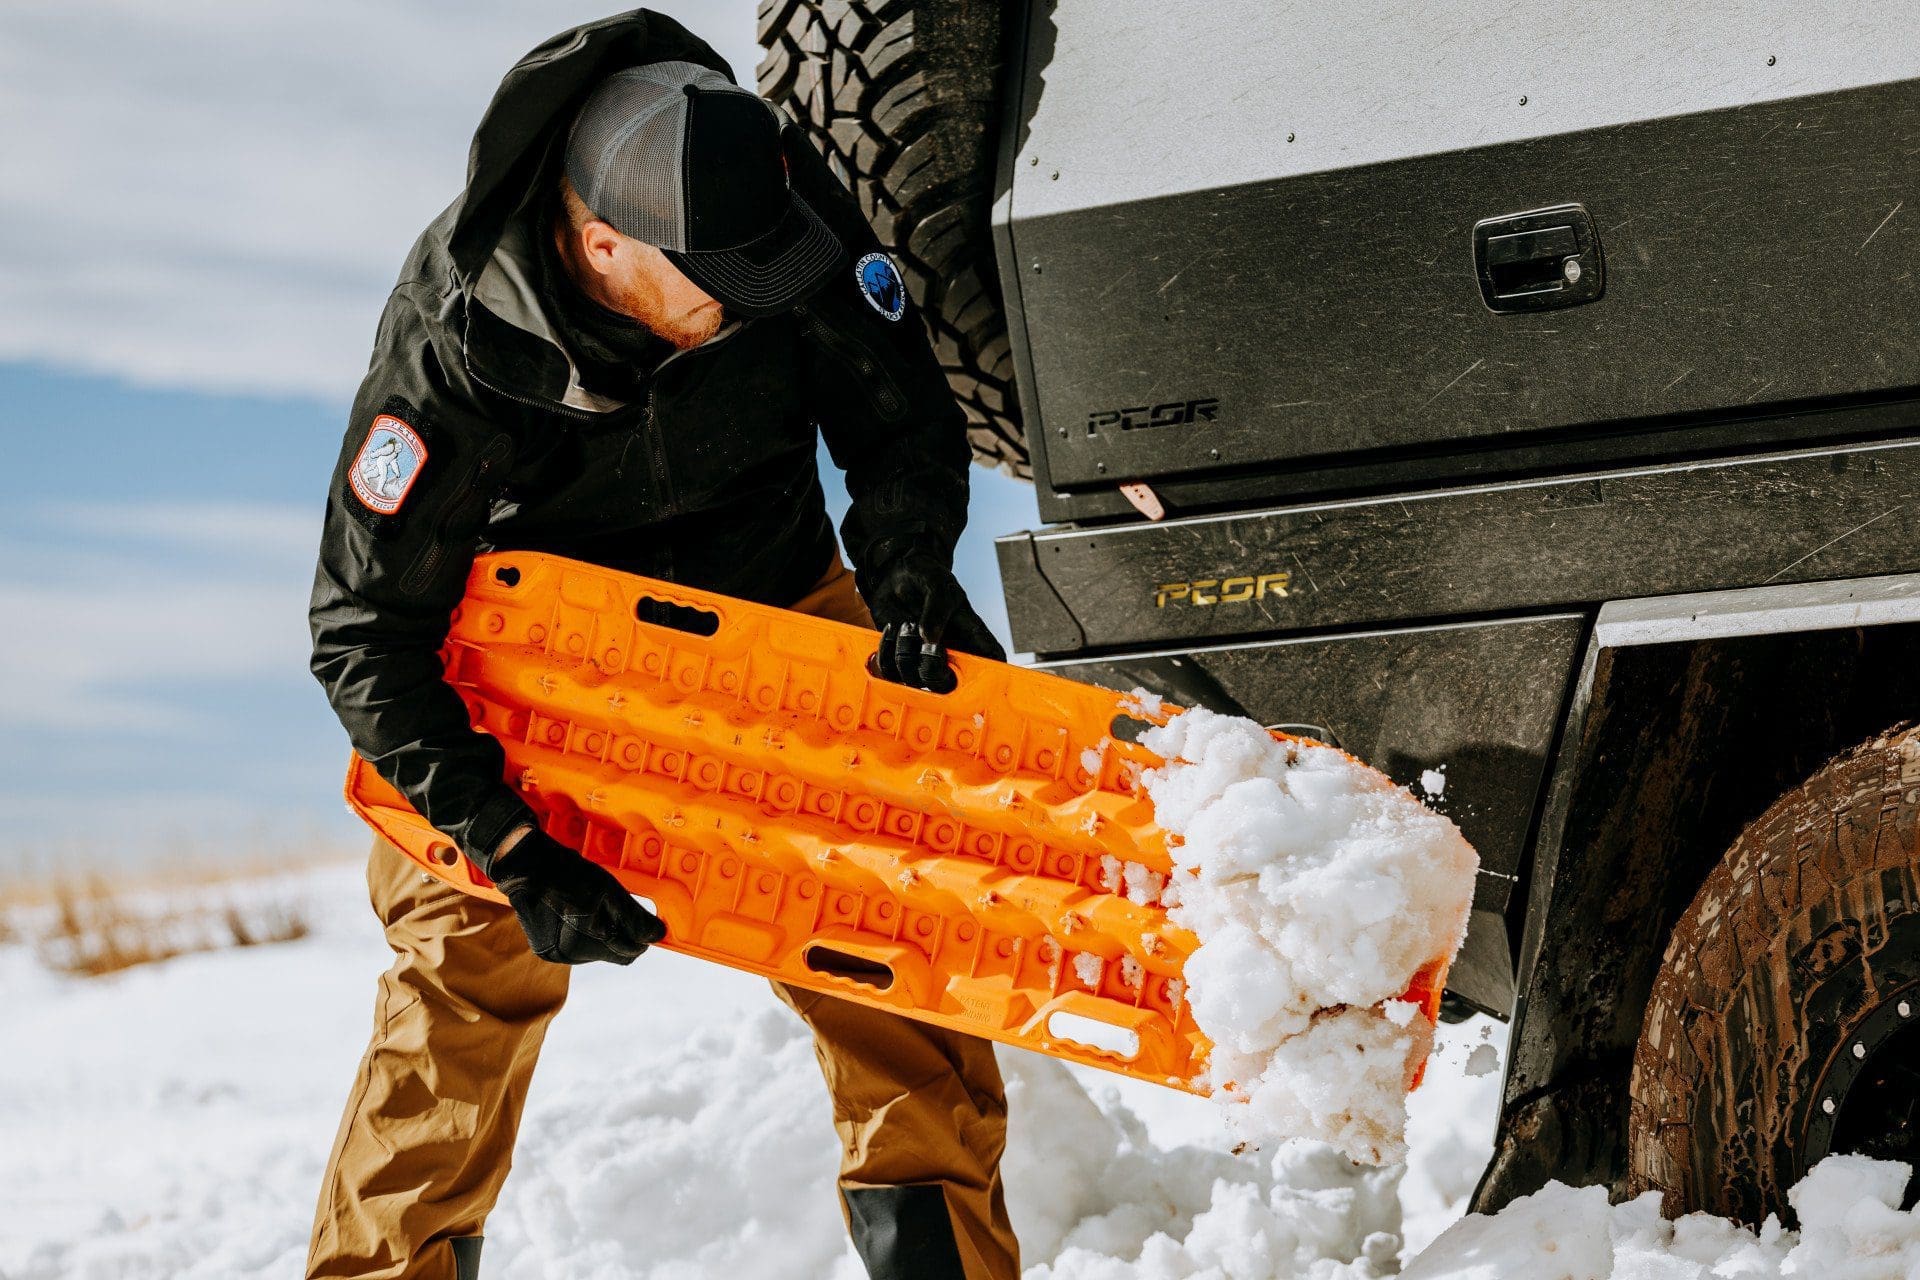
pixel 189 279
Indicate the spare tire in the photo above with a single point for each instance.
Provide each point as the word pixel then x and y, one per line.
pixel 903 99
pixel 1784 1024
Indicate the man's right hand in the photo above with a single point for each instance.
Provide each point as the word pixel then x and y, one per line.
pixel 572 911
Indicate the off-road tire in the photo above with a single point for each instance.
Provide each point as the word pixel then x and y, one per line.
pixel 902 96
pixel 1799 955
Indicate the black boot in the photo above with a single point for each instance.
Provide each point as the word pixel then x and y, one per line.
pixel 904 1233
pixel 466 1257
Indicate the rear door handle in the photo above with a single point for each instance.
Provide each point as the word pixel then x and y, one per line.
pixel 1538 260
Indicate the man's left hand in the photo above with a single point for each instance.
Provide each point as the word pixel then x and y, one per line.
pixel 922 612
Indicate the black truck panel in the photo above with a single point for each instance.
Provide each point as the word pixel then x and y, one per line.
pixel 1523 546
pixel 1340 314
pixel 1478 702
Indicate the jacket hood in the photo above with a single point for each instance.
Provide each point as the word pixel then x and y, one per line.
pixel 515 152
pixel 509 341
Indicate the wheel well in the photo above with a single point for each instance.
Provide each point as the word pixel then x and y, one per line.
pixel 1679 747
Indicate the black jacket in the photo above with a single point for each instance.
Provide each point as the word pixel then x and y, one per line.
pixel 705 476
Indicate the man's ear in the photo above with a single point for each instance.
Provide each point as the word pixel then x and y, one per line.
pixel 599 243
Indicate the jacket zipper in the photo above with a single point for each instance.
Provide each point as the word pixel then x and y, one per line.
pixel 658 445
pixel 545 406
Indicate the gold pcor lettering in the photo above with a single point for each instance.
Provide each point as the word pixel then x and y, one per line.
pixel 1229 590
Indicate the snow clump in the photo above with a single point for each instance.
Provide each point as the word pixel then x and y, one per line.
pixel 1851 1228
pixel 1317 888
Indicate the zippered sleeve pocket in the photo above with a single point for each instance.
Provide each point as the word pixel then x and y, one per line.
pixel 460 514
pixel 869 370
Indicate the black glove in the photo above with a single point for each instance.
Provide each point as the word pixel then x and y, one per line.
pixel 922 613
pixel 572 910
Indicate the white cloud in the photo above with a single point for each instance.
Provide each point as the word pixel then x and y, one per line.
pixel 107 640
pixel 278 532
pixel 217 194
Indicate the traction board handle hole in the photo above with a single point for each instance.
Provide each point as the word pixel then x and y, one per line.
pixel 676 617
pixel 839 964
pixel 1093 1033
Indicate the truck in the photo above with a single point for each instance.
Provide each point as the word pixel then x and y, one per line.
pixel 1525 398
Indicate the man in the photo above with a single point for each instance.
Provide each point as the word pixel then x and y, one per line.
pixel 615 346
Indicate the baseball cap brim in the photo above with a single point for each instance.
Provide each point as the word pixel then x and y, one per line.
pixel 769 275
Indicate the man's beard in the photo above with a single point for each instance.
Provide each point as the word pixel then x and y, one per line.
pixel 683 331
pixel 693 330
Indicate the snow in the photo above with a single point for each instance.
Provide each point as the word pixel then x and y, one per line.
pixel 1094 757
pixel 1318 889
pixel 171 1122
pixel 1851 1228
pixel 1144 884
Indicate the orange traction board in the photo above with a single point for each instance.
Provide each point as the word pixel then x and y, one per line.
pixel 956 858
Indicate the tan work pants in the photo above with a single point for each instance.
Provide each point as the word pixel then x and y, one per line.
pixel 429 1127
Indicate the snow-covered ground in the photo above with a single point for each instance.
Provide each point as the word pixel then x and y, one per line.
pixel 171 1121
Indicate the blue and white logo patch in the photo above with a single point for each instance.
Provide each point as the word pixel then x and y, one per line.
pixel 881 286
pixel 388 463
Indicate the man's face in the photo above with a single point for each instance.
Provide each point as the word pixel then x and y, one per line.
pixel 636 280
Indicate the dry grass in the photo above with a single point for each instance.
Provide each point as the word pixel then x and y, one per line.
pixel 92 926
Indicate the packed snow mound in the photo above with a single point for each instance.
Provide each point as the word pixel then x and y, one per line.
pixel 1851 1228
pixel 1318 889
pixel 1093 1197
pixel 711 1157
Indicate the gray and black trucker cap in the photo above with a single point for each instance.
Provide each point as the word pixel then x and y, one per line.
pixel 674 154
